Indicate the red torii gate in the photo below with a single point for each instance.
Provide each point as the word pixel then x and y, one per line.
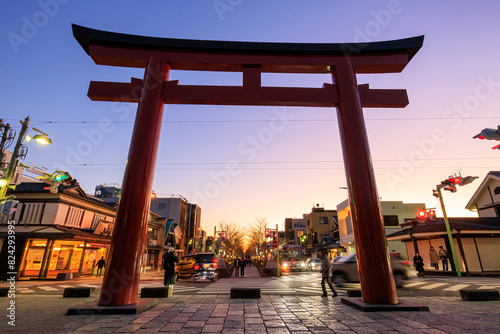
pixel 159 55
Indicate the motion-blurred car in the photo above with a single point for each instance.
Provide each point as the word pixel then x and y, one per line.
pixel 313 265
pixel 345 270
pixel 198 266
pixel 292 265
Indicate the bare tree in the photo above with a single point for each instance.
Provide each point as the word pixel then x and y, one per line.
pixel 256 234
pixel 235 236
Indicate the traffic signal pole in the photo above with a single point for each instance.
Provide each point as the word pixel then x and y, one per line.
pixel 448 230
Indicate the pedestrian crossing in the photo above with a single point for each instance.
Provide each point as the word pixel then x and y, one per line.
pixel 286 285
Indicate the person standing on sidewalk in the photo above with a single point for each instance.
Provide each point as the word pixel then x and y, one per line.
pixel 169 261
pixel 418 263
pixel 434 258
pixel 100 266
pixel 443 255
pixel 243 264
pixel 325 273
pixel 237 267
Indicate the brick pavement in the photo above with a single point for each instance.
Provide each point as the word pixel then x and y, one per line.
pixel 185 314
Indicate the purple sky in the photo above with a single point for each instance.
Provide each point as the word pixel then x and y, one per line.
pixel 453 85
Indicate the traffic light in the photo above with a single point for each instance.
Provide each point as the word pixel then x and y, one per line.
pixel 9 207
pixel 435 193
pixel 55 179
pixel 456 180
pixel 426 215
pixel 267 232
pixel 224 236
pixel 451 188
pixel 489 134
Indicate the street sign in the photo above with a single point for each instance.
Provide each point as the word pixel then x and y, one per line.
pixel 275 243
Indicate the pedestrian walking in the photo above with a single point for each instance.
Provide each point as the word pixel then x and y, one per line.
pixel 443 255
pixel 325 273
pixel 169 260
pixel 418 263
pixel 237 267
pixel 433 255
pixel 100 266
pixel 243 264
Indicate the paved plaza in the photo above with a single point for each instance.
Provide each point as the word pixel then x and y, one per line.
pixel 269 314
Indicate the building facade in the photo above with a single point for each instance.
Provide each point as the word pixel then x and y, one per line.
pixel 394 214
pixel 295 228
pixel 486 199
pixel 66 232
pixel 319 228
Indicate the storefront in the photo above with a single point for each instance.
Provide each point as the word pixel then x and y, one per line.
pixel 49 251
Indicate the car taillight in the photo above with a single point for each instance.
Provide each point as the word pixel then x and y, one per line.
pixel 214 265
pixel 196 267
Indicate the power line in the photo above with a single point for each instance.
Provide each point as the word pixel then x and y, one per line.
pixel 271 162
pixel 251 120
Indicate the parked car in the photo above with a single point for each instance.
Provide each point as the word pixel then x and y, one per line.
pixel 313 265
pixel 198 266
pixel 345 270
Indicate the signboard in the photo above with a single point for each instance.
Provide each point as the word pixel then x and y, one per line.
pixel 275 244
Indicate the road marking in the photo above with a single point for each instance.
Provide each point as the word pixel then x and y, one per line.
pixel 408 285
pixel 26 291
pixel 47 288
pixel 89 286
pixel 456 287
pixel 65 286
pixel 432 286
pixel 489 287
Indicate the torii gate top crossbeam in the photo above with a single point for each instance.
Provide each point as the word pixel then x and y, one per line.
pixel 200 55
pixel 250 58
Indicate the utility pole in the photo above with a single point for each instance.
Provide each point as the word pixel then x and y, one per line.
pixel 9 172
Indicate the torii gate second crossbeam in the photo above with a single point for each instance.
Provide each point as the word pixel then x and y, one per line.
pixel 159 55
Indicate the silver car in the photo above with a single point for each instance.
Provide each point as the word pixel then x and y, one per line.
pixel 313 265
pixel 345 270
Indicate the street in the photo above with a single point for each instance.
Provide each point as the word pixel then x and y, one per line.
pixel 295 283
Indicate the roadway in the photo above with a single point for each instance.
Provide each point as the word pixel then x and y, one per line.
pixel 296 283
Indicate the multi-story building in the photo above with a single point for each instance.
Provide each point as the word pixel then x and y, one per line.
pixel 108 192
pixel 295 228
pixel 194 234
pixel 394 214
pixel 319 225
pixel 186 220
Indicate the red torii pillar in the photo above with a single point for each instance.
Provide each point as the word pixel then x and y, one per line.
pixel 159 55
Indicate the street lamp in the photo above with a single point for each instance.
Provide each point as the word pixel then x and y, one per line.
pixel 18 152
pixel 450 185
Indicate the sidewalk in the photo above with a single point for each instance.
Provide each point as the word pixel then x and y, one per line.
pixel 218 313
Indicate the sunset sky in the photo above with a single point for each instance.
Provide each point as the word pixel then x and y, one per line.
pixel 453 84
